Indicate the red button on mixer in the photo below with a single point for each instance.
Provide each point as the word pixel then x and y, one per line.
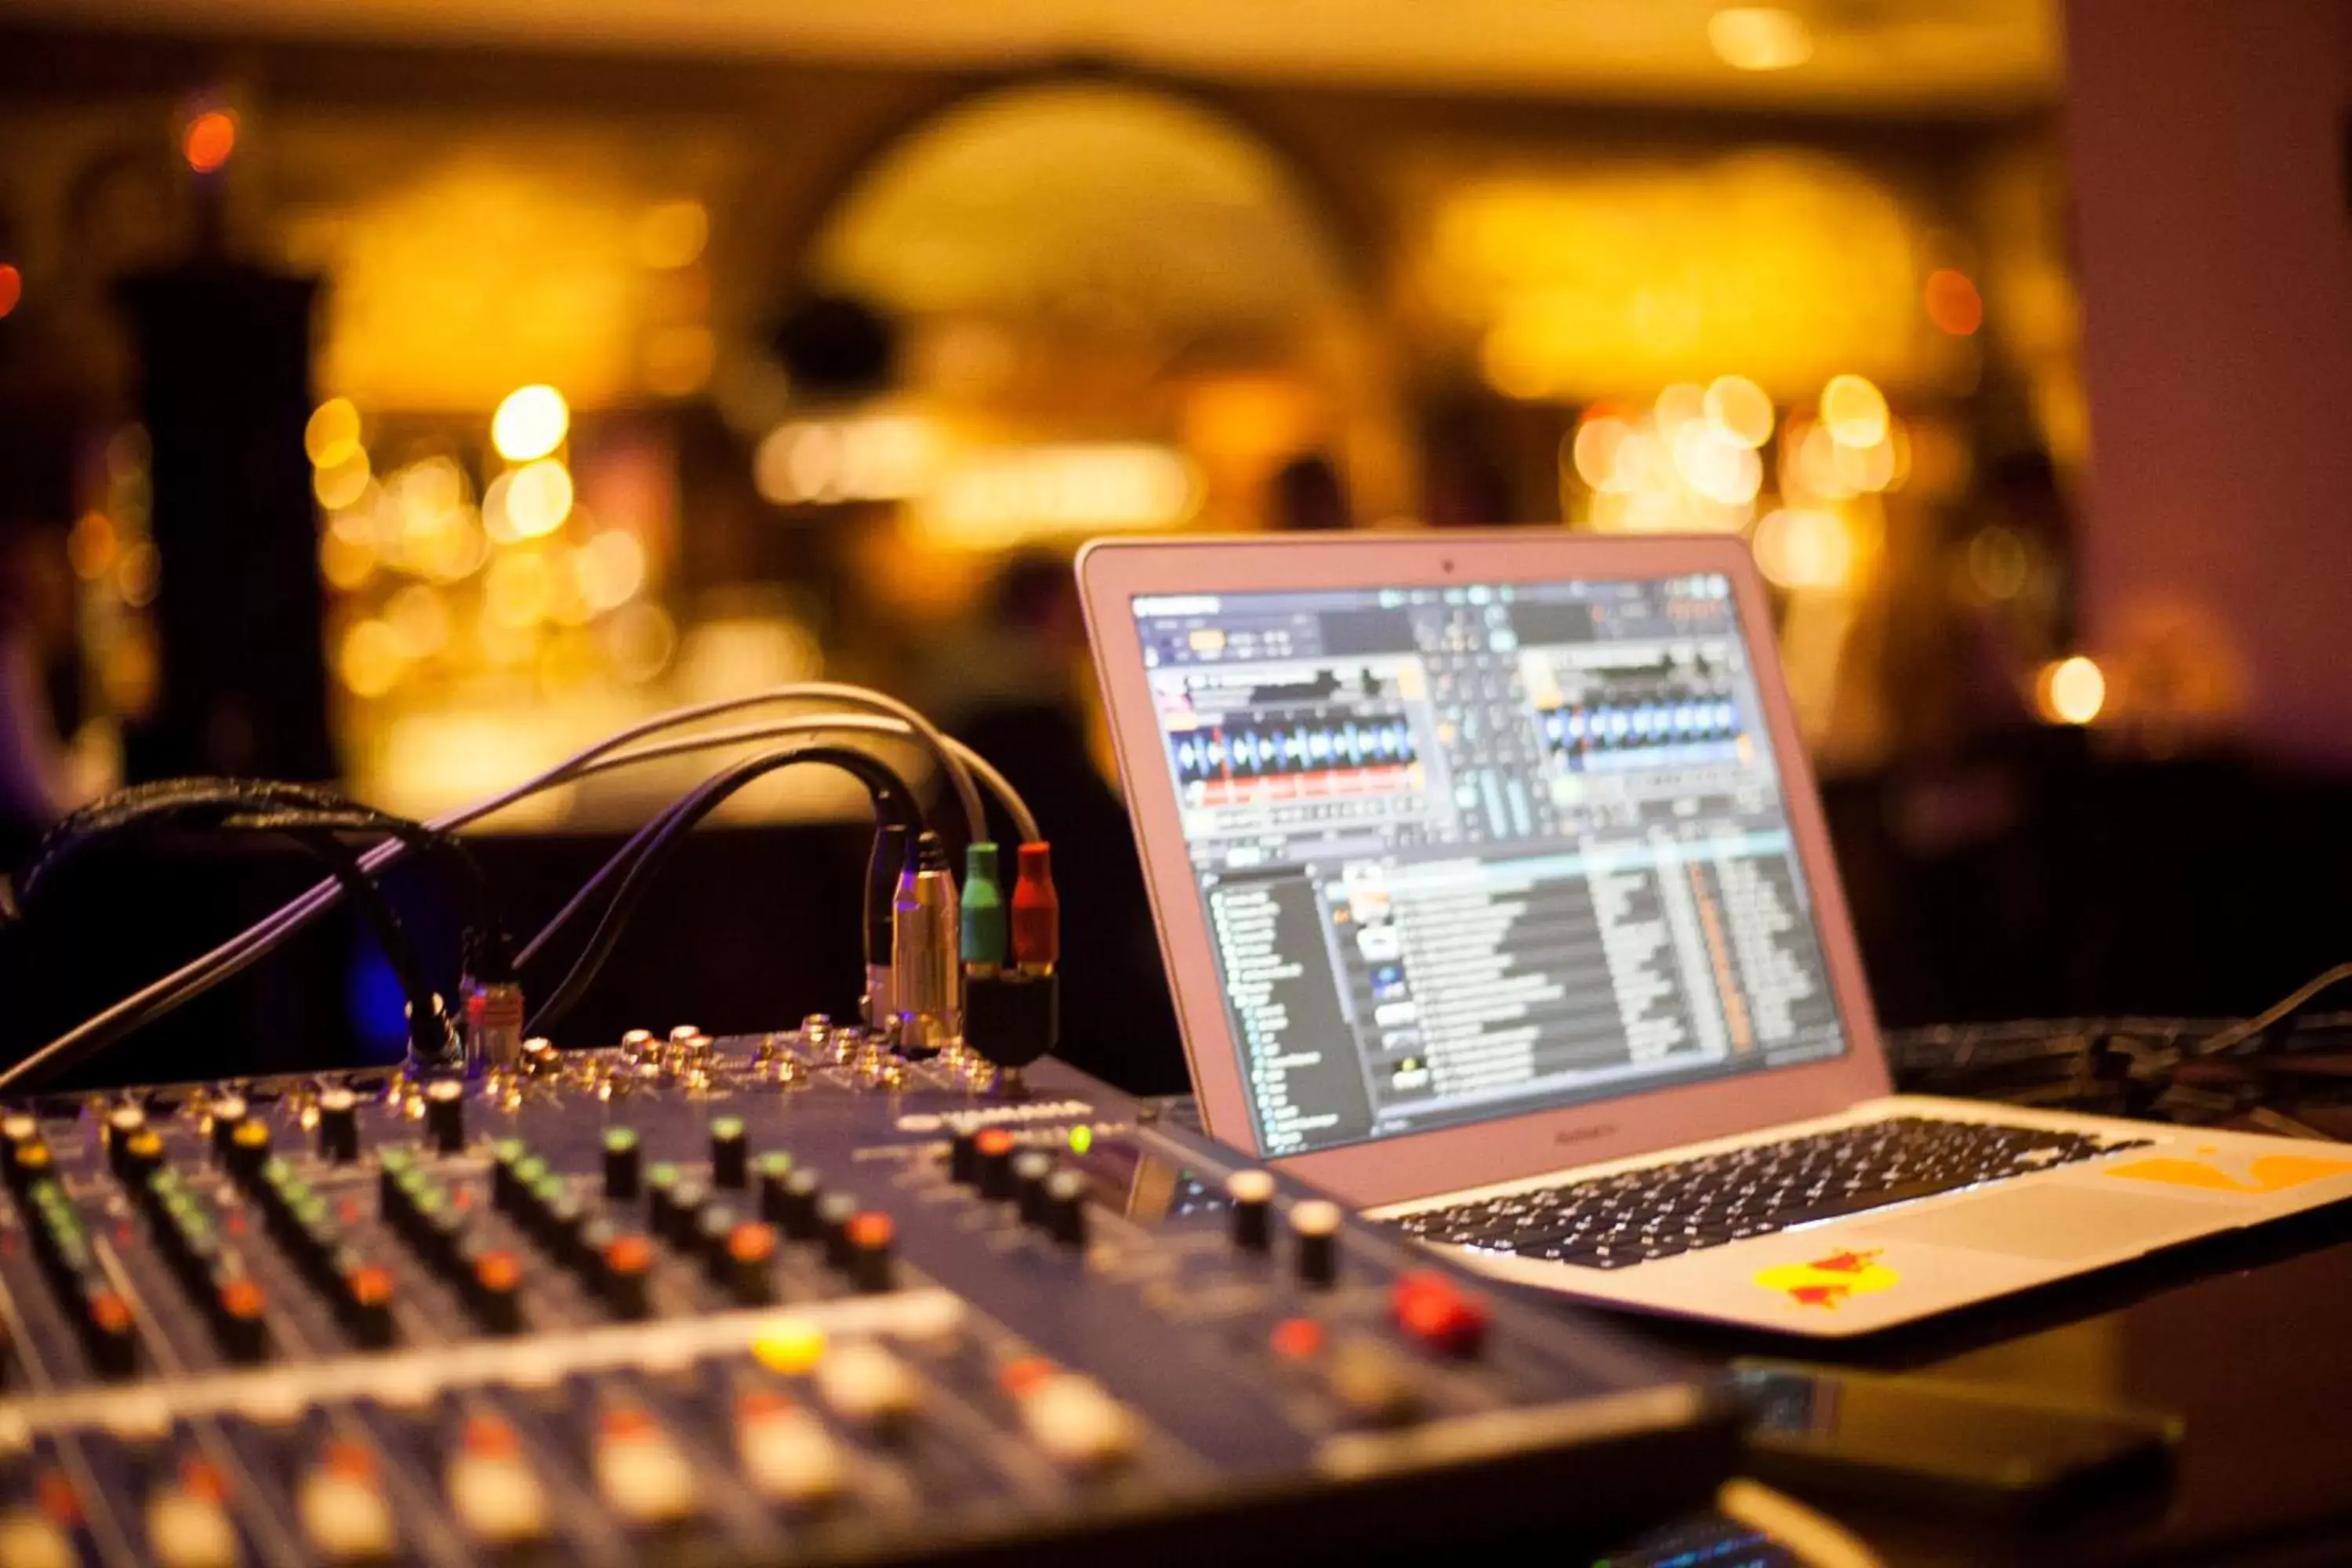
pixel 1434 1310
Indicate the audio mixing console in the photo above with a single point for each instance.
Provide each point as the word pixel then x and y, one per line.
pixel 782 1298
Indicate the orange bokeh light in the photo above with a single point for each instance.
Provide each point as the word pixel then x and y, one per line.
pixel 1953 302
pixel 211 137
pixel 12 288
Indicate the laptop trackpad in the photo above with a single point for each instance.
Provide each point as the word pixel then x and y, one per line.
pixel 2051 1222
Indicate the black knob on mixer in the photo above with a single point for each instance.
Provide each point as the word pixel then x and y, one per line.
pixel 445 1114
pixel 750 1256
pixel 628 1265
pixel 123 1123
pixel 338 1125
pixel 493 1290
pixel 1316 1224
pixel 366 1304
pixel 249 1149
pixel 866 1240
pixel 1066 1208
pixel 730 1157
pixel 686 1197
pixel 775 1166
pixel 1030 1169
pixel 237 1318
pixel 797 1207
pixel 833 1213
pixel 993 1170
pixel 142 1156
pixel 661 1196
pixel 1251 1194
pixel 712 1227
pixel 228 1113
pixel 621 1162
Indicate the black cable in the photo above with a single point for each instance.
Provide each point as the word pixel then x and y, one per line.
pixel 428 1033
pixel 484 932
pixel 888 788
pixel 173 800
pixel 652 847
pixel 206 804
pixel 311 816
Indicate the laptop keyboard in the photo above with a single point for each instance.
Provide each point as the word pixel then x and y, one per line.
pixel 1610 1222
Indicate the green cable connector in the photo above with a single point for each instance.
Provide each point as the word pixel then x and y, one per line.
pixel 983 913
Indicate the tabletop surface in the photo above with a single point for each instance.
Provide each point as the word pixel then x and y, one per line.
pixel 2246 1338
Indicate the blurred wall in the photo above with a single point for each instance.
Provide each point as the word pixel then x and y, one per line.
pixel 2213 204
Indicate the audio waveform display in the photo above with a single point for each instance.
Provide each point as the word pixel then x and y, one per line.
pixel 1269 757
pixel 1691 729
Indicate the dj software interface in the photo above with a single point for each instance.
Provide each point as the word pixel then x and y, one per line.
pixel 1467 852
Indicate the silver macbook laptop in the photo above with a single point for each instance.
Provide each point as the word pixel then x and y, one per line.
pixel 1495 897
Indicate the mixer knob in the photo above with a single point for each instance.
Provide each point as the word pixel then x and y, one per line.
pixel 506 1153
pixel 747 1262
pixel 495 1290
pixel 627 1275
pixel 661 1198
pixel 367 1304
pixel 730 1157
pixel 712 1226
pixel 444 1235
pixel 338 1125
pixel 833 1213
pixel 1075 1423
pixel 786 1452
pixel 869 1236
pixel 559 1218
pixel 963 1157
pixel 445 1114
pixel 621 1161
pixel 493 1490
pixel 796 1206
pixel 29 1162
pixel 1251 1194
pixel 186 1525
pixel 680 1033
pixel 249 1149
pixel 121 1123
pixel 641 1473
pixel 992 1162
pixel 29 1541
pixel 1316 1224
pixel 525 1179
pixel 681 1228
pixel 865 1384
pixel 111 1335
pixel 636 1043
pixel 239 1315
pixel 1031 1167
pixel 775 1166
pixel 342 1507
pixel 228 1113
pixel 1066 1208
pixel 142 1156
pixel 17 1127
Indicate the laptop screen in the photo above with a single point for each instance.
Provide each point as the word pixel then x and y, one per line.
pixel 1466 853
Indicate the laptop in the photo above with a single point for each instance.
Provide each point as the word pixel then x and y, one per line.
pixel 1495 899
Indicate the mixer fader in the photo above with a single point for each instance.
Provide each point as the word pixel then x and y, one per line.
pixel 787 1298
